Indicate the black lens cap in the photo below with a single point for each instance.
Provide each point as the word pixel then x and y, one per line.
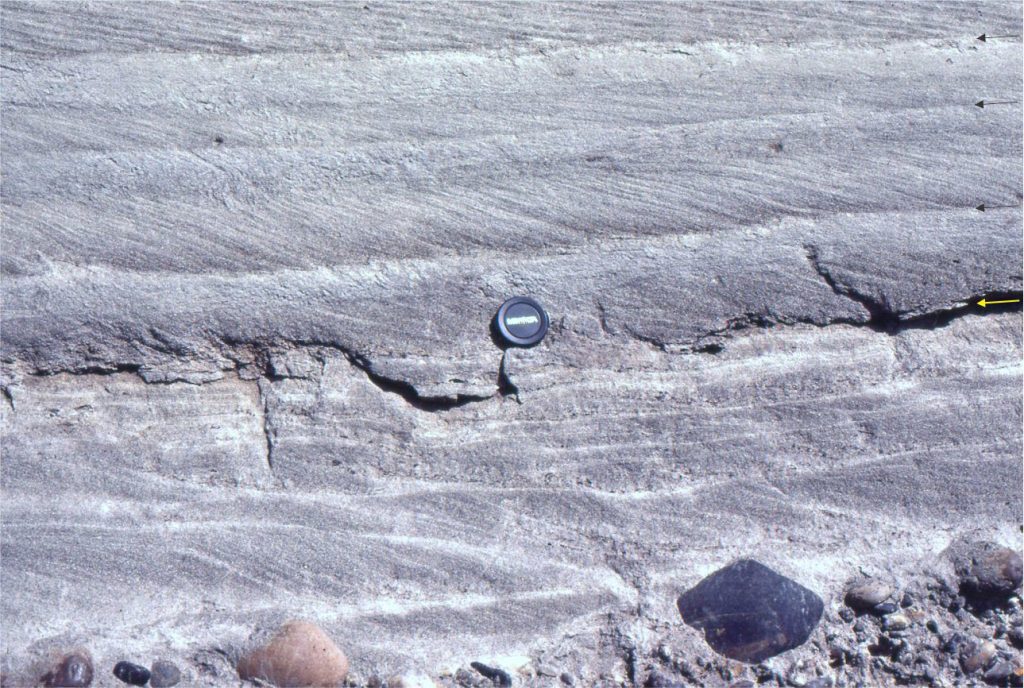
pixel 521 321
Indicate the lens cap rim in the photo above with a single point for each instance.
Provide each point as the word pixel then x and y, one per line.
pixel 514 340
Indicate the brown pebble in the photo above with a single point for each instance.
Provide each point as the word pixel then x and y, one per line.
pixel 977 657
pixel 865 595
pixel 300 654
pixel 73 671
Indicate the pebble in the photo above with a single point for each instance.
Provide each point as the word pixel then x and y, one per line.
pixel 465 678
pixel 656 679
pixel 131 673
pixel 73 671
pixel 164 674
pixel 976 656
pixel 867 594
pixel 820 682
pixel 498 676
pixel 567 679
pixel 989 571
pixel 300 654
pixel 411 680
pixel 884 609
pixel 896 622
pixel 749 612
pixel 999 672
pixel 932 625
pixel 907 601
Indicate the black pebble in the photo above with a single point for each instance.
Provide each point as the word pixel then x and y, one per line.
pixel 131 673
pixel 932 625
pixel 498 676
pixel 907 601
pixel 884 608
pixel 567 679
pixel 749 612
pixel 953 643
pixel 164 674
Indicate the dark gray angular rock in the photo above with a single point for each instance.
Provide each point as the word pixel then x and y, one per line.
pixel 749 612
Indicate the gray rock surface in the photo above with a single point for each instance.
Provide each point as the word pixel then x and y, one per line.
pixel 250 253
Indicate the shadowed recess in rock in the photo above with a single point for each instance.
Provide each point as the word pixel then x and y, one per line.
pixel 750 613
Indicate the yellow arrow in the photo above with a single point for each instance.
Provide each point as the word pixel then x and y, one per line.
pixel 984 303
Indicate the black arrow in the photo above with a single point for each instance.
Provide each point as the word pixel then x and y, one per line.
pixel 983 103
pixel 984 207
pixel 984 37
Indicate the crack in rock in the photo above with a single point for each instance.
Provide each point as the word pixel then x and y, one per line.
pixel 506 387
pixel 408 392
pixel 259 365
pixel 880 315
pixel 884 318
pixel 402 388
pixel 268 433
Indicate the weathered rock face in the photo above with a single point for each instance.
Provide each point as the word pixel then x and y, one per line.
pixel 749 612
pixel 250 258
